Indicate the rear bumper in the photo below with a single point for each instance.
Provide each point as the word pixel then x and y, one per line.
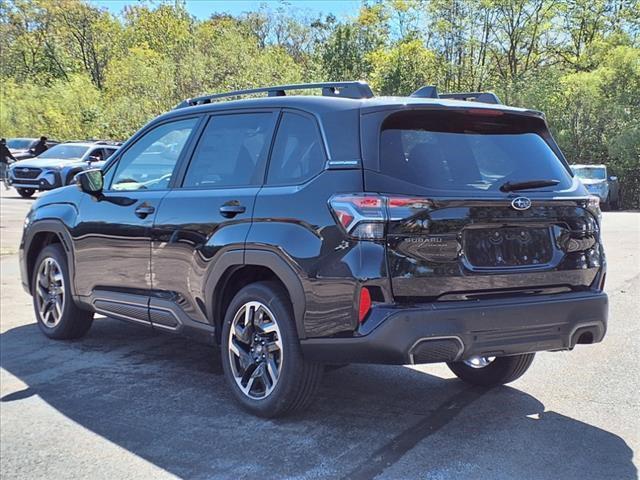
pixel 449 331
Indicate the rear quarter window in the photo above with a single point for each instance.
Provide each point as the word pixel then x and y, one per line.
pixel 298 154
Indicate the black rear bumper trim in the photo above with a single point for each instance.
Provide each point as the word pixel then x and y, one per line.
pixel 497 327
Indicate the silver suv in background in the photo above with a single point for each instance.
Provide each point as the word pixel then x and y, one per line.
pixel 599 183
pixel 57 166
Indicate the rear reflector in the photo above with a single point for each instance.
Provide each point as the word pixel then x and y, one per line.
pixel 344 218
pixel 364 305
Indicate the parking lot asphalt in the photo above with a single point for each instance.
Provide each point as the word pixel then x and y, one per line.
pixel 124 402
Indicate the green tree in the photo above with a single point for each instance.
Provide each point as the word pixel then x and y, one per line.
pixel 66 109
pixel 89 34
pixel 138 87
pixel 403 68
pixel 31 46
pixel 345 53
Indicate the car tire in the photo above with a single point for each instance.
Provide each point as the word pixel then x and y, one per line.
pixel 499 371
pixel 56 312
pixel 26 192
pixel 261 355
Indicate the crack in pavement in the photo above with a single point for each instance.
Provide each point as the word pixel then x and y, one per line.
pixel 393 450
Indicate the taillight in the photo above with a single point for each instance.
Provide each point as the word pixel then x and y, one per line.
pixel 593 205
pixel 365 304
pixel 363 215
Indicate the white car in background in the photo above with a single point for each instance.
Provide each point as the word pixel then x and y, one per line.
pixel 599 183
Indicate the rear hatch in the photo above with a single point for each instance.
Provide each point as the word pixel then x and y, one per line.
pixel 460 221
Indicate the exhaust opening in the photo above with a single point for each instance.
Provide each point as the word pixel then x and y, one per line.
pixel 585 338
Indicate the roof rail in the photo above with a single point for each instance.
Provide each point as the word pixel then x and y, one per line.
pixel 356 90
pixel 483 97
pixel 432 92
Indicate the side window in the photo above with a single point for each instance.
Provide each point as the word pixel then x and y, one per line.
pixel 297 154
pixel 231 151
pixel 149 163
pixel 96 153
pixel 108 152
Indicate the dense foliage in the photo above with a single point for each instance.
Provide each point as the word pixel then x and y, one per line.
pixel 71 70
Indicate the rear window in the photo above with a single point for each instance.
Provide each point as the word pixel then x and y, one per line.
pixel 19 143
pixel 590 173
pixel 465 151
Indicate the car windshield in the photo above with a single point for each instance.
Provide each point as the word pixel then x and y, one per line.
pixel 590 173
pixel 19 143
pixel 64 151
pixel 454 151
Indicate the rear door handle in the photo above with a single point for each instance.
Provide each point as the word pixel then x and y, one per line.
pixel 144 209
pixel 230 211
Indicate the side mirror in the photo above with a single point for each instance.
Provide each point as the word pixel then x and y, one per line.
pixel 90 181
pixel 613 178
pixel 93 158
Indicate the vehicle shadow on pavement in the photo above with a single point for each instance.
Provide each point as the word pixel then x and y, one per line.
pixel 164 399
pixel 12 196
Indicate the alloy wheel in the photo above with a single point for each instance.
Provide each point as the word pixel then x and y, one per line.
pixel 255 350
pixel 478 362
pixel 50 292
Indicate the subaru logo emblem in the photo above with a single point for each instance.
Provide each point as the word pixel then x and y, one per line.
pixel 25 170
pixel 521 203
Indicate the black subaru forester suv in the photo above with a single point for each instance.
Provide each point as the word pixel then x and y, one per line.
pixel 300 231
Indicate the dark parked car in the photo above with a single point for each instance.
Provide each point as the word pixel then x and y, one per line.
pixel 599 183
pixel 57 166
pixel 298 231
pixel 20 147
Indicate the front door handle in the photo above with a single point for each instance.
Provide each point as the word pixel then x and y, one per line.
pixel 144 209
pixel 231 210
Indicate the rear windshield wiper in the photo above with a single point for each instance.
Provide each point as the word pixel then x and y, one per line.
pixel 510 187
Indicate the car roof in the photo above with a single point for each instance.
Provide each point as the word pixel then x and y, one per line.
pixel 589 165
pixel 323 104
pixel 91 144
pixel 77 144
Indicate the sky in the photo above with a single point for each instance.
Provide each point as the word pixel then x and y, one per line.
pixel 202 9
